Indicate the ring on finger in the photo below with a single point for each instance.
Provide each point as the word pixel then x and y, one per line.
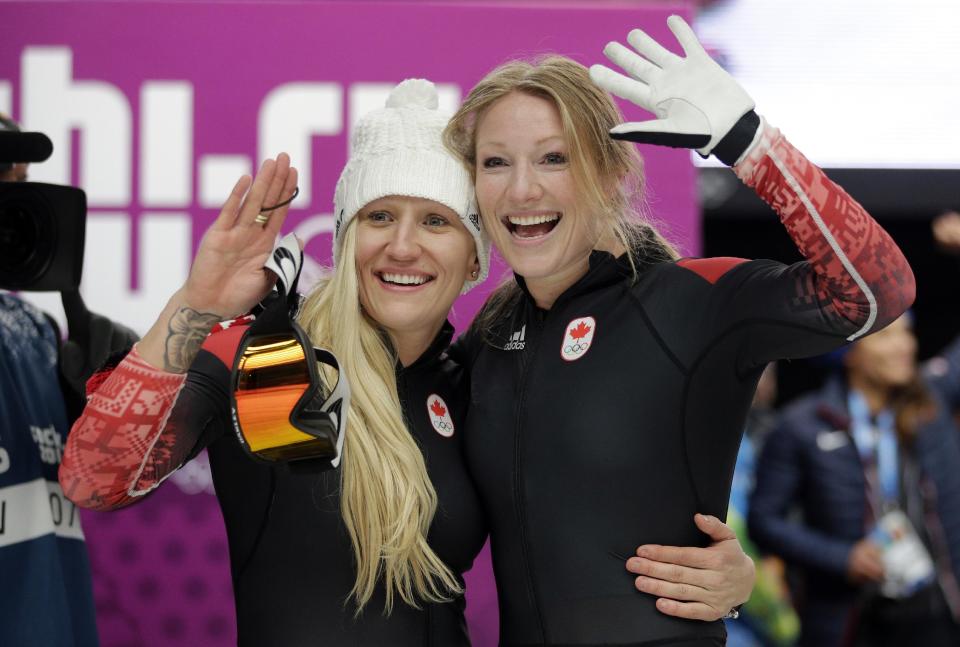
pixel 262 219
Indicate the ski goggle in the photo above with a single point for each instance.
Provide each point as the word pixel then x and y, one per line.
pixel 282 406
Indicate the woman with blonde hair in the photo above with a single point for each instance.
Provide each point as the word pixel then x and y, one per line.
pixel 373 551
pixel 619 415
pixel 400 517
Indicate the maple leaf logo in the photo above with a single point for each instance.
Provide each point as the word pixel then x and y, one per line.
pixel 437 408
pixel 580 331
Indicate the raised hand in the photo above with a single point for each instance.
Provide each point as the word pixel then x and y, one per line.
pixel 695 100
pixel 227 277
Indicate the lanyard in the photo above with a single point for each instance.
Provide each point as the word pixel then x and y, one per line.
pixel 876 441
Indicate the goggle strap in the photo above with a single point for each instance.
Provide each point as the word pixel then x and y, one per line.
pixel 286 261
pixel 338 402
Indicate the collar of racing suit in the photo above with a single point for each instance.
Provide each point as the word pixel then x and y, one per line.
pixel 604 270
pixel 436 348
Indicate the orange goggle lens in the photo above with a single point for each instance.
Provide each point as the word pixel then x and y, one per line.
pixel 272 376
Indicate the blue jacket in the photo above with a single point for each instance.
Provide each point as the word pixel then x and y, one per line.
pixel 47 596
pixel 810 462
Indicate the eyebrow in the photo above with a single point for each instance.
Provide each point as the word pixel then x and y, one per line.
pixel 539 142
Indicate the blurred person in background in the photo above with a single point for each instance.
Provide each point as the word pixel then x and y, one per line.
pixel 12 171
pixel 872 462
pixel 768 617
pixel 942 368
pixel 44 569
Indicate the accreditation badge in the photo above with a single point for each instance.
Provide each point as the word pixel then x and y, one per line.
pixel 907 564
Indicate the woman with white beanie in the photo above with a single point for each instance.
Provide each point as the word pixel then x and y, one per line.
pixel 321 557
pixel 371 552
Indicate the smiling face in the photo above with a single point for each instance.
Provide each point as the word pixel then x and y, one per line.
pixel 413 256
pixel 527 195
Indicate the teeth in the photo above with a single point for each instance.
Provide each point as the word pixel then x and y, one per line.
pixel 404 279
pixel 532 220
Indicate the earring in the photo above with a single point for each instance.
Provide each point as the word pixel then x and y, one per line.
pixel 475 273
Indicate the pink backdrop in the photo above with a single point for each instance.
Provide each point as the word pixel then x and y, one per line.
pixel 156 107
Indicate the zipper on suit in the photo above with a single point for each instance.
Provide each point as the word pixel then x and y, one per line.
pixel 538 323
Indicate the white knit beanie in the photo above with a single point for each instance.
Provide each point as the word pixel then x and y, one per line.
pixel 398 150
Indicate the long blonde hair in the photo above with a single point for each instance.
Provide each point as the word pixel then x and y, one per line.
pixel 387 500
pixel 607 174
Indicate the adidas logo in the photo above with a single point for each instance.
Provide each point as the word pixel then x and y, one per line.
pixel 517 340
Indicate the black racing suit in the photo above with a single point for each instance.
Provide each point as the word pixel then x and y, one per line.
pixel 290 555
pixel 609 420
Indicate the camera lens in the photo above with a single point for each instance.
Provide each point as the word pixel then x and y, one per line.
pixel 18 237
pixel 27 236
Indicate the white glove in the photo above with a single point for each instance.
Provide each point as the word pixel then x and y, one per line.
pixel 695 100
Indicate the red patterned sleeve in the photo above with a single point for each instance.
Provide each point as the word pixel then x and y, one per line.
pixel 118 449
pixel 142 423
pixel 859 271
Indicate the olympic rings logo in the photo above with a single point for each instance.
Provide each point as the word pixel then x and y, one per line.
pixel 440 415
pixel 576 348
pixel 578 338
pixel 442 427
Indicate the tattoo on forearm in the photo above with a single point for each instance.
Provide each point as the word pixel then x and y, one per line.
pixel 185 335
